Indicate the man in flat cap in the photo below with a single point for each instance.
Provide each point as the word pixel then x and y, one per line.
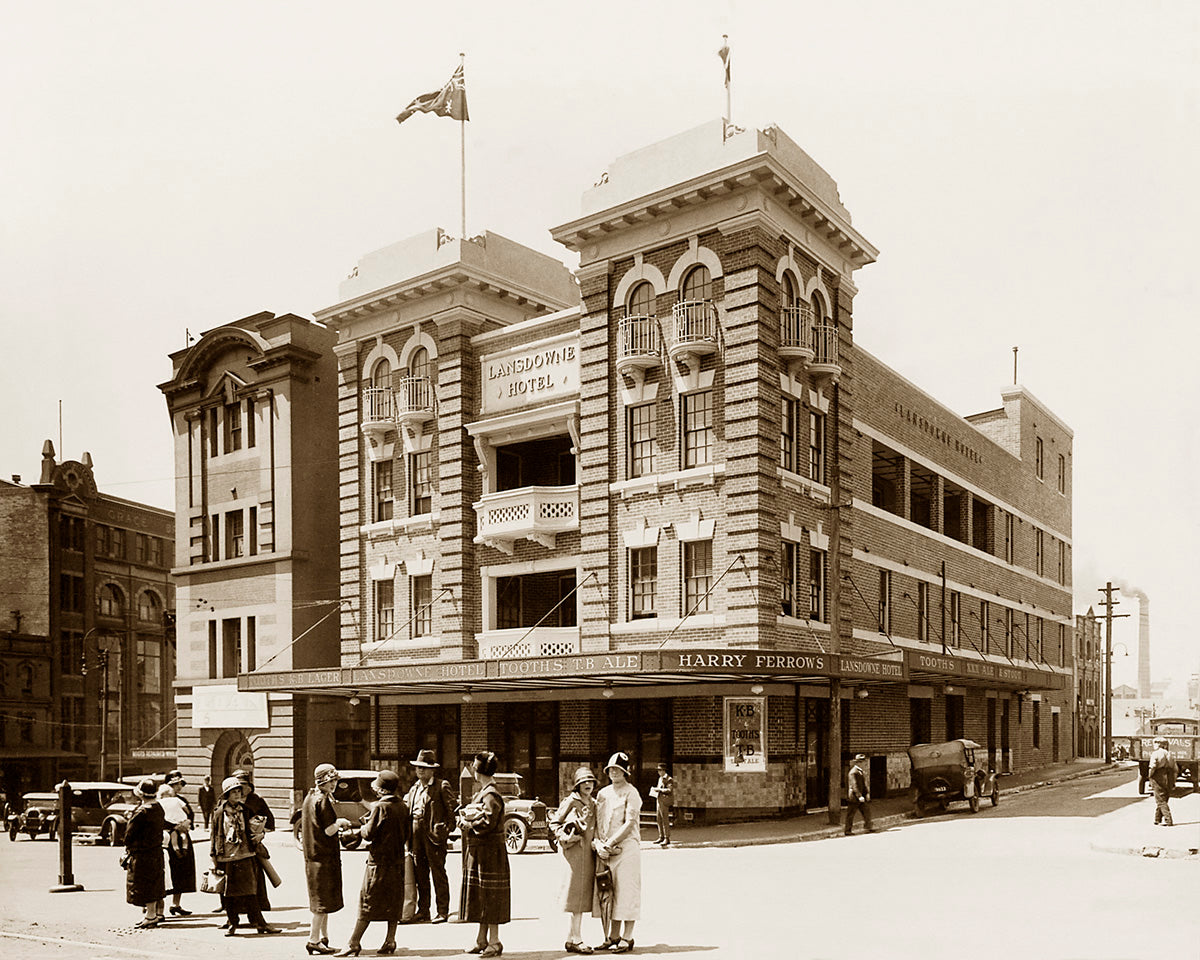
pixel 1162 780
pixel 431 801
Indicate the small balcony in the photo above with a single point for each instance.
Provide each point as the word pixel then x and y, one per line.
pixel 825 362
pixel 639 346
pixel 522 642
pixel 796 335
pixel 530 513
pixel 415 405
pixel 692 331
pixel 378 417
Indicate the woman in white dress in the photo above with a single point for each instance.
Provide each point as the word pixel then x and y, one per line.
pixel 619 843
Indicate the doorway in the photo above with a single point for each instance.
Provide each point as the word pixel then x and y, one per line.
pixel 641 728
pixel 531 748
pixel 816 751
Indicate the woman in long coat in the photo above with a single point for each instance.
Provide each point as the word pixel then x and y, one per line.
pixel 181 857
pixel 382 896
pixel 233 852
pixel 486 891
pixel 319 828
pixel 145 873
pixel 618 841
pixel 574 826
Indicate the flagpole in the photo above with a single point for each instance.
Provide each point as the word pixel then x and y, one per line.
pixel 462 149
pixel 728 99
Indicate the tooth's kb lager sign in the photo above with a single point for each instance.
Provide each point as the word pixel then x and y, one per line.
pixel 745 734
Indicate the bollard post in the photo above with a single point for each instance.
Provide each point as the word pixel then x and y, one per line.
pixel 66 879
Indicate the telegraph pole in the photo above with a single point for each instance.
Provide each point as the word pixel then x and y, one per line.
pixel 1108 603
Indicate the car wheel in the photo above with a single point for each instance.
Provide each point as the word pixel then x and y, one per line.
pixel 973 803
pixel 105 838
pixel 995 796
pixel 298 834
pixel 515 834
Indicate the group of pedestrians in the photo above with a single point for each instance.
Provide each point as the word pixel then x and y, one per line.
pixel 159 857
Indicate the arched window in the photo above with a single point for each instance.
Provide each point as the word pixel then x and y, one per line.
pixel 788 292
pixel 112 601
pixel 697 285
pixel 817 313
pixel 381 376
pixel 641 301
pixel 418 363
pixel 149 607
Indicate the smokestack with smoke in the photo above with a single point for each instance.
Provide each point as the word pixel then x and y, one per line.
pixel 1143 638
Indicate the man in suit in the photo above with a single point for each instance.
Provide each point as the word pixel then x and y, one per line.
pixel 208 800
pixel 431 802
pixel 858 795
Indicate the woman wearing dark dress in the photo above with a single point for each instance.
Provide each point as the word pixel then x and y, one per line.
pixel 486 892
pixel 233 854
pixel 319 827
pixel 382 896
pixel 145 873
pixel 181 856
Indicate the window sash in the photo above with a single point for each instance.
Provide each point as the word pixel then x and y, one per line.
pixel 787 435
pixel 384 501
pixel 643 582
pixel 642 440
pixel 385 609
pixel 697 576
pixel 697 429
pixel 422 484
pixel 422 604
pixel 816 585
pixel 816 446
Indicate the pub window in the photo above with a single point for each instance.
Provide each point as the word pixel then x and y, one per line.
pixel 252 532
pixel 697 429
pixel 1009 535
pixel 249 421
pixel 697 576
pixel 922 611
pixel 422 606
pixel 816 446
pixel 213 441
pixel 1039 546
pixel 384 503
pixel 1037 724
pixel 233 426
pixel 235 538
pixel 643 582
pixel 787 435
pixel 816 586
pixel 214 537
pixel 231 654
pixel 1008 632
pixel 1039 460
pixel 385 608
pixel 885 602
pixel 643 440
pixel 955 619
pixel 508 602
pixel 985 626
pixel 213 667
pixel 251 643
pixel 1062 474
pixel 790 581
pixel 422 484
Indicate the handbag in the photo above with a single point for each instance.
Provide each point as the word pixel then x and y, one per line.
pixel 604 877
pixel 212 882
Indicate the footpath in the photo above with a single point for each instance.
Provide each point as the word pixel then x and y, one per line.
pixel 1131 832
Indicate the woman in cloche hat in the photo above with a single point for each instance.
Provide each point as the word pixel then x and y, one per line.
pixel 145 878
pixel 618 841
pixel 574 826
pixel 233 853
pixel 319 827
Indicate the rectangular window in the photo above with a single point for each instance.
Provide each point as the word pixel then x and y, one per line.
pixel 214 537
pixel 643 440
pixel 1039 459
pixel 422 606
pixel 1008 632
pixel 1039 549
pixel 70 593
pixel 249 421
pixel 955 619
pixel 985 626
pixel 1062 474
pixel 885 602
pixel 70 652
pixel 253 532
pixel 148 670
pixel 568 606
pixel 235 539
pixel 508 602
pixel 422 484
pixel 70 533
pixel 231 641
pixel 103 540
pixel 156 552
pixel 212 650
pixel 1040 638
pixel 643 582
pixel 385 609
pixel 788 447
pixel 697 576
pixel 1037 724
pixel 697 429
pixel 140 550
pixel 251 644
pixel 816 446
pixel 920 720
pixel 922 611
pixel 118 543
pixel 384 502
pixel 1062 562
pixel 816 585
pixel 233 427
pixel 789 580
pixel 213 448
pixel 1009 533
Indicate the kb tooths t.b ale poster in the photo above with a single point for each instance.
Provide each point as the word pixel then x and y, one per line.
pixel 745 734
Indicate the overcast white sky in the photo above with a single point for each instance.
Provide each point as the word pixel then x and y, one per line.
pixel 1028 173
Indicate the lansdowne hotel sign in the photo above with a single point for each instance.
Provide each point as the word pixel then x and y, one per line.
pixel 534 373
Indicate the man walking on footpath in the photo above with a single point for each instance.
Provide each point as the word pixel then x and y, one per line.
pixel 858 795
pixel 431 801
pixel 663 792
pixel 208 800
pixel 1162 780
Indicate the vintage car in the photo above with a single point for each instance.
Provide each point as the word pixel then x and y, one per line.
pixel 1183 737
pixel 942 772
pixel 39 814
pixel 352 799
pixel 524 819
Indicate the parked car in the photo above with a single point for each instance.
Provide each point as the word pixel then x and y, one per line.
pixel 352 799
pixel 942 772
pixel 90 813
pixel 115 816
pixel 524 819
pixel 1183 735
pixel 39 814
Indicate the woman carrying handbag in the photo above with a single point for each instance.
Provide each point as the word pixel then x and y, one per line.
pixel 234 855
pixel 574 826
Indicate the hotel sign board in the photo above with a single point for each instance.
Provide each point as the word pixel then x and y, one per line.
pixel 224 705
pixel 535 373
pixel 967 669
pixel 745 735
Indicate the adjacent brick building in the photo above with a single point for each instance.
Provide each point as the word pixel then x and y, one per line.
pixel 670 506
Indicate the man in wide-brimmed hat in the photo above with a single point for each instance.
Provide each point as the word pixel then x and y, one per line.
pixel 1162 780
pixel 858 795
pixel 431 802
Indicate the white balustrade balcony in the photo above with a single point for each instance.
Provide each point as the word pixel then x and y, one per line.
pixel 378 407
pixel 692 330
pixel 521 642
pixel 639 345
pixel 414 400
pixel 796 334
pixel 825 361
pixel 532 513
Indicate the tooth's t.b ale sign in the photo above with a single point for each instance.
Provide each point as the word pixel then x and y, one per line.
pixel 745 734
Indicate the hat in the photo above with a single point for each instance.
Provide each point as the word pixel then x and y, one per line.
pixel 425 758
pixel 175 779
pixel 620 760
pixel 147 788
pixel 582 775
pixel 230 783
pixel 325 772
pixel 859 756
pixel 245 775
pixel 388 781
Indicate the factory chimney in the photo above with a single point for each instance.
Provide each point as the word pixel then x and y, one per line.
pixel 1143 639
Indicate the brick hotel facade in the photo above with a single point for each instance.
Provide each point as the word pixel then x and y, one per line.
pixel 669 505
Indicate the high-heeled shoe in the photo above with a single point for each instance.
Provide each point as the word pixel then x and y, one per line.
pixel 388 946
pixel 180 912
pixel 577 946
pixel 623 945
pixel 266 928
pixel 351 950
pixel 321 948
pixel 492 949
pixel 478 948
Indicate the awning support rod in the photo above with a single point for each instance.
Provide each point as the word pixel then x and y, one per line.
pixel 696 605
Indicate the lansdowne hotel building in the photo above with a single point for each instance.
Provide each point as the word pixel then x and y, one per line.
pixel 669 505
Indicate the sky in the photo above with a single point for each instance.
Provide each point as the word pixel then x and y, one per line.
pixel 1027 171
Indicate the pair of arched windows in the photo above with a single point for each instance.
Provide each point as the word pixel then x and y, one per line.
pixel 697 285
pixel 790 293
pixel 418 366
pixel 112 601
